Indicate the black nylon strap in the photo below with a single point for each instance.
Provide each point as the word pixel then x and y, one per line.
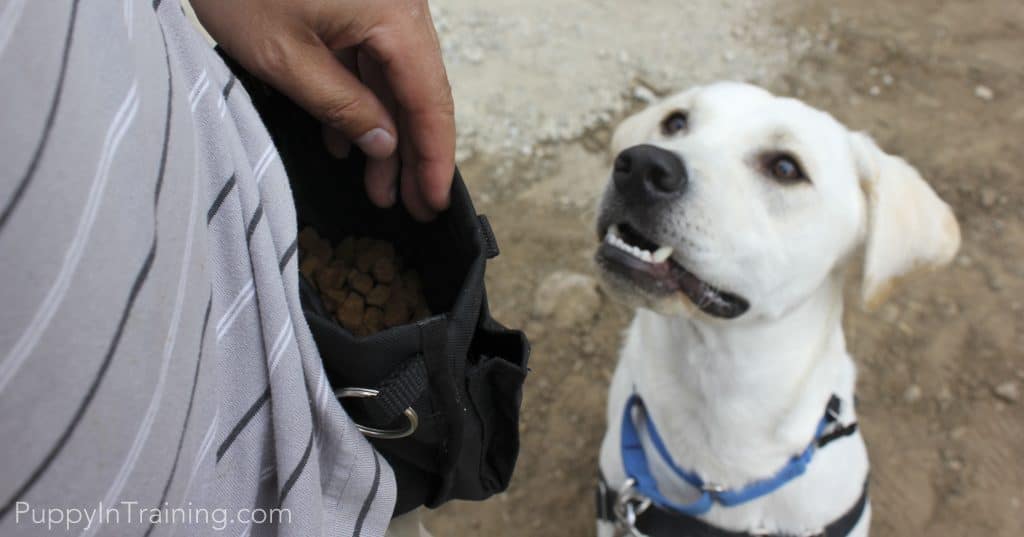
pixel 832 416
pixel 659 522
pixel 836 434
pixel 398 392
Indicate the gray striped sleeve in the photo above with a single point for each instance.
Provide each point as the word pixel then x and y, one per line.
pixel 153 353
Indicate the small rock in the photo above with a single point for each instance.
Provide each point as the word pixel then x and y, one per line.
pixel 875 91
pixel 912 394
pixel 644 94
pixel 1008 391
pixel 984 93
pixel 567 298
pixel 989 197
pixel 888 79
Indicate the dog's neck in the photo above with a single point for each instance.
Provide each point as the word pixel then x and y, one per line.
pixel 734 401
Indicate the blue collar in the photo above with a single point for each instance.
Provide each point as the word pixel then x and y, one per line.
pixel 635 462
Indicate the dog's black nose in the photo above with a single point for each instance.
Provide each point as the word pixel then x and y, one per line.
pixel 649 172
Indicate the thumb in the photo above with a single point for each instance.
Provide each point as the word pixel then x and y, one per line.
pixel 312 76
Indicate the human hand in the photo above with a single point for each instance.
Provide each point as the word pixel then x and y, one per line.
pixel 370 70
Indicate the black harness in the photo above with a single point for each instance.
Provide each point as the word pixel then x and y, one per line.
pixel 632 512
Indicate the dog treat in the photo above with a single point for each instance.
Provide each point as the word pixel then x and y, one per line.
pixel 378 295
pixel 384 270
pixel 362 282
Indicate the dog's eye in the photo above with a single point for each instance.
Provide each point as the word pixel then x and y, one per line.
pixel 786 169
pixel 677 121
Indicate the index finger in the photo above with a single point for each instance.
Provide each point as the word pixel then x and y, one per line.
pixel 409 54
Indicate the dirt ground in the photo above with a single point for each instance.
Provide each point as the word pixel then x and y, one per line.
pixel 941 365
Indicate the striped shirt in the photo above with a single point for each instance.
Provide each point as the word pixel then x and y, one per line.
pixel 153 352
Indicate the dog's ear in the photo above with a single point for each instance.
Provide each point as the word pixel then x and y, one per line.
pixel 634 130
pixel 908 226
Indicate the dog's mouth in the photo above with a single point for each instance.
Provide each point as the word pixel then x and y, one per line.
pixel 629 254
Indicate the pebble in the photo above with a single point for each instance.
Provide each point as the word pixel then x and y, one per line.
pixel 984 93
pixel 644 94
pixel 567 298
pixel 912 394
pixel 989 197
pixel 1008 391
pixel 875 91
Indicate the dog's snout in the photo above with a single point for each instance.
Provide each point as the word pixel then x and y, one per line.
pixel 649 172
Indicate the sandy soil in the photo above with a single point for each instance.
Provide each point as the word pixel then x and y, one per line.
pixel 936 81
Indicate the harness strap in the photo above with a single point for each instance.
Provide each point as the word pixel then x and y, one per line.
pixel 634 460
pixel 656 521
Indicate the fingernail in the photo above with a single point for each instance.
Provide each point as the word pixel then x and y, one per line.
pixel 377 143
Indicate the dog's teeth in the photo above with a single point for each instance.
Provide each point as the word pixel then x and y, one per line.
pixel 662 254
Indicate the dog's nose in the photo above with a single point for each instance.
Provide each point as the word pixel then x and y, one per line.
pixel 650 172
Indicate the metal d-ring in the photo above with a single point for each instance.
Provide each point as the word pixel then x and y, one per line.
pixel 628 506
pixel 373 432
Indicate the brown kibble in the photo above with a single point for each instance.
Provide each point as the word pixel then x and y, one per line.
pixel 321 249
pixel 342 269
pixel 379 295
pixel 384 270
pixel 365 260
pixel 308 238
pixel 360 282
pixel 350 313
pixel 338 295
pixel 373 319
pixel 346 250
pixel 310 266
pixel 329 278
pixel 396 312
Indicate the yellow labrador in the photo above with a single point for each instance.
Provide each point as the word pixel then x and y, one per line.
pixel 728 222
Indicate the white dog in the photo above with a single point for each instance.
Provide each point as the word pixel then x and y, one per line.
pixel 728 222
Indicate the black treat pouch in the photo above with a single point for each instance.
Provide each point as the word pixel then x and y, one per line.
pixel 450 385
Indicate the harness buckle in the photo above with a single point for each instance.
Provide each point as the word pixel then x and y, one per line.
pixel 628 506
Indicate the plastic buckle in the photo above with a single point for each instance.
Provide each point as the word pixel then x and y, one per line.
pixel 373 432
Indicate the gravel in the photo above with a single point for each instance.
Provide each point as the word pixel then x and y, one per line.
pixel 535 71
